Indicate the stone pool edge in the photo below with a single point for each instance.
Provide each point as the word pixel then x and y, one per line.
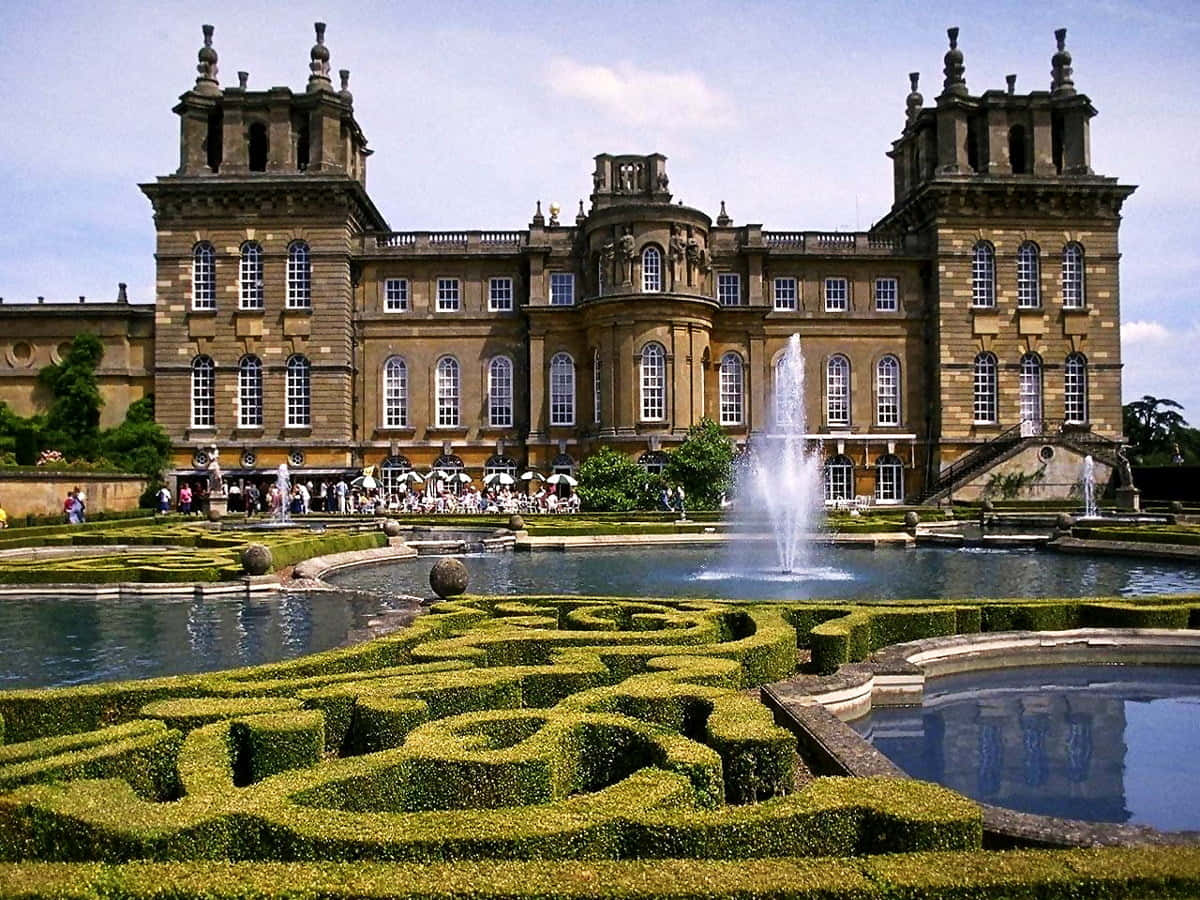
pixel 808 705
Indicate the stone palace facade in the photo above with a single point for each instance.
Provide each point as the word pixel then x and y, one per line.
pixel 976 325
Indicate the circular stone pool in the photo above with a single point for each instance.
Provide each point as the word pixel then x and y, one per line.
pixel 1098 743
pixel 744 571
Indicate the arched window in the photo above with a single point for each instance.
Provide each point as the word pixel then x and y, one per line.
pixel 250 276
pixel 731 389
pixel 654 461
pixel 1017 156
pixel 651 270
pixel 446 384
pixel 654 382
pixel 299 276
pixel 393 475
pixel 889 479
pixel 1029 290
pixel 250 392
pixel 837 391
pixel 839 479
pixel 562 389
pixel 257 149
pixel 204 276
pixel 500 465
pixel 1072 277
pixel 985 404
pixel 395 393
pixel 596 386
pixel 204 393
pixel 1075 390
pixel 887 391
pixel 983 275
pixel 500 392
pixel 1029 394
pixel 299 392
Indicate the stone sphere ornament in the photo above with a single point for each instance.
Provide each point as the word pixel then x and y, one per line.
pixel 516 523
pixel 1175 506
pixel 214 515
pixel 257 559
pixel 911 519
pixel 391 528
pixel 1064 522
pixel 448 578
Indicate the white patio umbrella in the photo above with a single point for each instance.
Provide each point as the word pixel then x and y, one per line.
pixel 501 477
pixel 562 478
pixel 461 476
pixel 531 475
pixel 414 477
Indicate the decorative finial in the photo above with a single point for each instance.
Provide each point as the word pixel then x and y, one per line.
pixel 538 218
pixel 206 83
pixel 344 93
pixel 1061 84
pixel 723 219
pixel 319 67
pixel 243 80
pixel 955 82
pixel 1011 81
pixel 122 296
pixel 581 216
pixel 914 101
pixel 554 210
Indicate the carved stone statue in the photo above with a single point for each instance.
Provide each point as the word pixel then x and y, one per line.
pixel 663 181
pixel 607 256
pixel 693 253
pixel 676 249
pixel 628 253
pixel 1125 468
pixel 597 181
pixel 216 484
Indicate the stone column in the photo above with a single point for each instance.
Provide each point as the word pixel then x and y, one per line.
pixel 537 387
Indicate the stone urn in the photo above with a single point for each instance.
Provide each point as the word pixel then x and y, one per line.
pixel 448 578
pixel 257 559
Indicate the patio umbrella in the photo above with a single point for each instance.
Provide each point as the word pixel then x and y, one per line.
pixel 532 476
pixel 501 477
pixel 461 476
pixel 366 482
pixel 415 477
pixel 561 478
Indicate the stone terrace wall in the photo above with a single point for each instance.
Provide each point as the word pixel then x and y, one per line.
pixel 25 493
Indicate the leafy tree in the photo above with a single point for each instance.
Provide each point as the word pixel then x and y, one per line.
pixel 139 444
pixel 703 465
pixel 73 420
pixel 1153 426
pixel 610 481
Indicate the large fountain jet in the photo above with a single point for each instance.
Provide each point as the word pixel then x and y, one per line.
pixel 785 477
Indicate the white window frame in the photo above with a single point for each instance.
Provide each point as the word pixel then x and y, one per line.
pixel 447 382
pixel 596 407
pixel 204 392
pixel 500 392
pixel 204 276
pixel 731 390
pixel 985 389
pixel 250 392
pixel 1073 296
pixel 887 391
pixel 250 276
pixel 837 390
pixel 1075 390
pixel 395 393
pixel 983 276
pixel 562 288
pixel 299 276
pixel 1029 271
pixel 500 294
pixel 838 479
pixel 298 392
pixel 395 295
pixel 562 389
pixel 889 479
pixel 887 295
pixel 449 295
pixel 1030 389
pixel 652 280
pixel 837 295
pixel 652 376
pixel 787 294
pixel 729 289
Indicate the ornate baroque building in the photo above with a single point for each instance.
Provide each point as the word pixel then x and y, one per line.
pixel 975 327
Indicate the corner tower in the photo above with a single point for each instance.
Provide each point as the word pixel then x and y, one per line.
pixel 255 233
pixel 1023 334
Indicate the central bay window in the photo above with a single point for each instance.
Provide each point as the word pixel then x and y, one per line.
pixel 562 389
pixel 204 277
pixel 250 276
pixel 985 405
pixel 1029 393
pixel 887 295
pixel 837 295
pixel 729 289
pixel 785 293
pixel 1029 292
pixel 887 391
pixel 500 294
pixel 446 386
pixel 395 294
pixel 447 294
pixel 500 392
pixel 837 391
pixel 395 393
pixel 299 276
pixel 299 392
pixel 889 479
pixel 1072 277
pixel 562 289
pixel 250 392
pixel 654 382
pixel 983 276
pixel 651 270
pixel 839 479
pixel 731 389
pixel 1075 399
pixel 204 393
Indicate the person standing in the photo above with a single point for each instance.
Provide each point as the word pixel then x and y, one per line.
pixel 164 500
pixel 342 490
pixel 251 499
pixel 185 499
pixel 679 494
pixel 81 496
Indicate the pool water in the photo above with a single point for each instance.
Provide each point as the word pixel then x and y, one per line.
pixel 1099 743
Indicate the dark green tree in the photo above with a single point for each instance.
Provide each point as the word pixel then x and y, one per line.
pixel 612 482
pixel 1153 426
pixel 139 444
pixel 73 420
pixel 703 465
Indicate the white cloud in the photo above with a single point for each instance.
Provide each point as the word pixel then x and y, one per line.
pixel 1143 332
pixel 637 96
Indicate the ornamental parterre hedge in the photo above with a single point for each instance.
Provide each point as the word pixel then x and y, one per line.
pixel 610 745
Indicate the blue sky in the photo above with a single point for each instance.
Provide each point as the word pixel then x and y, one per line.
pixel 475 111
